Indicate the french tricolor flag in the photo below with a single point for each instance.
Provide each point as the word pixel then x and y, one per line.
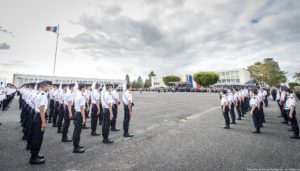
pixel 192 82
pixel 52 29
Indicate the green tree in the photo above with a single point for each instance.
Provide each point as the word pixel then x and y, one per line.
pixel 170 78
pixel 293 84
pixel 127 79
pixel 147 83
pixel 139 82
pixel 267 71
pixel 206 78
pixel 297 76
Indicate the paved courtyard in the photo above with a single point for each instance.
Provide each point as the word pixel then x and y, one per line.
pixel 173 131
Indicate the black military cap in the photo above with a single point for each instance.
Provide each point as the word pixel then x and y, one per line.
pixel 72 84
pixel 45 82
pixel 108 85
pixel 80 86
pixel 64 85
pixel 88 85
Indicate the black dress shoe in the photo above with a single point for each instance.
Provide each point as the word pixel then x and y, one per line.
pixel 59 131
pixel 95 133
pixel 256 131
pixel 284 122
pixel 23 138
pixel 50 121
pixel 40 156
pixel 115 129
pixel 294 136
pixel 66 139
pixel 233 122
pixel 36 160
pixel 85 127
pixel 107 141
pixel 290 129
pixel 226 127
pixel 54 125
pixel 128 135
pixel 78 150
pixel 80 146
pixel 239 119
pixel 262 126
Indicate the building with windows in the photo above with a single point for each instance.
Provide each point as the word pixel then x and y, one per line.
pixel 20 79
pixel 226 77
pixel 233 77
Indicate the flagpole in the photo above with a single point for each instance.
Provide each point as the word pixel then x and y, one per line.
pixel 55 51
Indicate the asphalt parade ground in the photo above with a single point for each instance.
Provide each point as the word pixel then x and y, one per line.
pixel 173 131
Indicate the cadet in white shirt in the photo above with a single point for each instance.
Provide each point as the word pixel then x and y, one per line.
pixel 95 109
pixel 255 105
pixel 56 106
pixel 68 103
pixel 87 95
pixel 61 97
pixel 31 118
pixel 230 99
pixel 39 124
pixel 51 105
pixel 290 107
pixel 128 104
pixel 265 95
pixel 79 118
pixel 106 101
pixel 261 107
pixel 225 109
pixel 116 102
pixel 237 103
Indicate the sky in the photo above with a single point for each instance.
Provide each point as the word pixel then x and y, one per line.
pixel 112 38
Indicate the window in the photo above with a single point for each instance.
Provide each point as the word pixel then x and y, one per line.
pixel 227 73
pixel 228 80
pixel 237 80
pixel 232 80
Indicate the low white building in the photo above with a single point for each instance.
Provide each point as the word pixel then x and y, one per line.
pixel 20 79
pixel 234 76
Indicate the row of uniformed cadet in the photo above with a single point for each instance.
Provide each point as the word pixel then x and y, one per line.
pixel 7 93
pixel 242 101
pixel 287 106
pixel 66 103
pixel 252 100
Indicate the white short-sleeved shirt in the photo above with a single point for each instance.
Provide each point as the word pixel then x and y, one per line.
pixel 278 95
pixel 254 102
pixel 106 99
pixel 79 101
pixel 236 96
pixel 265 93
pixel 115 96
pixel 290 101
pixel 42 100
pixel 224 100
pixel 260 94
pixel 95 96
pixel 127 96
pixel 258 98
pixel 88 95
pixel 67 97
pixel 230 97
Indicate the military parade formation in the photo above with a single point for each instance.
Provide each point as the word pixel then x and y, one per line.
pixel 246 100
pixel 63 104
pixel 44 102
